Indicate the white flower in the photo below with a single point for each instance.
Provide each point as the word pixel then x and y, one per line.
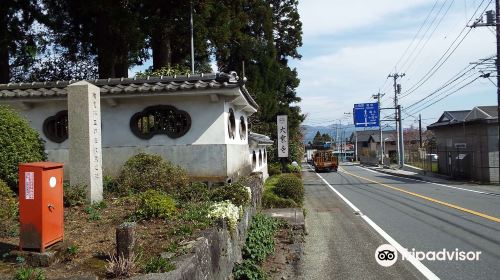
pixel 225 210
pixel 249 191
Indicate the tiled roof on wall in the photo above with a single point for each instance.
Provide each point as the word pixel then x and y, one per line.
pixel 120 86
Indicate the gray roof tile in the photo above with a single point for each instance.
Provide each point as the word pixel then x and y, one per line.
pixel 119 86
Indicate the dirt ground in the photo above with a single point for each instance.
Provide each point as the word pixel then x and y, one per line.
pixel 93 236
pixel 283 264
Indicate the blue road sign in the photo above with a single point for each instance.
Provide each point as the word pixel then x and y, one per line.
pixel 366 115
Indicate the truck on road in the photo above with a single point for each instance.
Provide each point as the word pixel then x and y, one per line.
pixel 325 161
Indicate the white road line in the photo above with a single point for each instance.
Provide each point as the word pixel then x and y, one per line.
pixel 437 184
pixel 416 263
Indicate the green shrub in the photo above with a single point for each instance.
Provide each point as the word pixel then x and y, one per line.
pixel 272 200
pixel 274 169
pixel 158 265
pixel 195 192
pixel 28 273
pixel 8 209
pixel 74 195
pixel 144 171
pixel 290 186
pixel 248 270
pixel 197 214
pixel 19 143
pixel 293 169
pixel 109 185
pixel 237 193
pixel 155 204
pixel 260 238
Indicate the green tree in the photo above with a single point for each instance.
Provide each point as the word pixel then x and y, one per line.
pixel 107 30
pixel 17 39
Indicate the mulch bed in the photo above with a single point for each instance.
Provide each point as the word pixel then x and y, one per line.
pixel 95 239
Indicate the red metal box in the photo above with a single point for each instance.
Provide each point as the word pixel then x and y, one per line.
pixel 41 212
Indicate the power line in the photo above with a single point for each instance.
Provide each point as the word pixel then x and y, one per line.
pixel 452 80
pixel 463 86
pixel 411 43
pixel 447 54
pixel 415 109
pixel 430 36
pixel 416 34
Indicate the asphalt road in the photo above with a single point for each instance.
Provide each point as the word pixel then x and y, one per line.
pixel 417 215
pixel 339 244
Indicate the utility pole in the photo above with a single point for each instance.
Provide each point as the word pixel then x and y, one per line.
pixel 492 19
pixel 420 128
pixel 378 96
pixel 192 39
pixel 497 12
pixel 399 131
pixel 400 139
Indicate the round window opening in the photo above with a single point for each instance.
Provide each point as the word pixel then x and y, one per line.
pixel 232 124
pixel 243 128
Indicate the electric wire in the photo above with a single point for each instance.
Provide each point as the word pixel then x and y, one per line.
pixel 447 54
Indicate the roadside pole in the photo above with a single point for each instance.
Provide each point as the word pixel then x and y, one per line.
pixel 378 96
pixel 397 90
pixel 401 140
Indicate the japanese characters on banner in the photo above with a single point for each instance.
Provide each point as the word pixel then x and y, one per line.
pixel 282 121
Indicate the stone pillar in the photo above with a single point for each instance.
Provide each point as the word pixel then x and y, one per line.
pixel 85 151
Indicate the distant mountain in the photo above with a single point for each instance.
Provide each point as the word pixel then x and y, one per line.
pixel 332 130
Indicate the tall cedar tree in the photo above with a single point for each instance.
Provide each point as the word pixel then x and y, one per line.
pixel 107 29
pixel 17 42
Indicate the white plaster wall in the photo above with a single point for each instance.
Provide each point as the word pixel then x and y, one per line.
pixel 258 166
pixel 237 114
pixel 202 150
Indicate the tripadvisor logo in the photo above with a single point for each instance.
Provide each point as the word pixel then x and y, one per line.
pixel 386 255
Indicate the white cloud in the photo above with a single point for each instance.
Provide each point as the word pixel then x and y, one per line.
pixel 354 67
pixel 322 17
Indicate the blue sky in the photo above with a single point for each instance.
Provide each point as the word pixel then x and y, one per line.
pixel 351 46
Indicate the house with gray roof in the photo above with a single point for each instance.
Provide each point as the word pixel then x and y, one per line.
pixel 467 143
pixel 199 122
pixel 369 142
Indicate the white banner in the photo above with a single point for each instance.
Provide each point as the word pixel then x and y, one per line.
pixel 282 121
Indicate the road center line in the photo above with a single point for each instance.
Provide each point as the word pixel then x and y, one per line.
pixel 416 263
pixel 437 184
pixel 479 214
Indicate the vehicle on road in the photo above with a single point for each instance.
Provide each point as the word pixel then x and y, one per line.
pixel 325 161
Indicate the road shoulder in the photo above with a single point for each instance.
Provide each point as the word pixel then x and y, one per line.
pixel 339 244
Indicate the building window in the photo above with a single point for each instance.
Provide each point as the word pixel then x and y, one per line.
pixel 254 160
pixel 160 119
pixel 231 127
pixel 55 127
pixel 260 157
pixel 243 128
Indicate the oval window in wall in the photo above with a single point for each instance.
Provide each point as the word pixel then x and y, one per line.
pixel 243 128
pixel 160 119
pixel 231 126
pixel 55 127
